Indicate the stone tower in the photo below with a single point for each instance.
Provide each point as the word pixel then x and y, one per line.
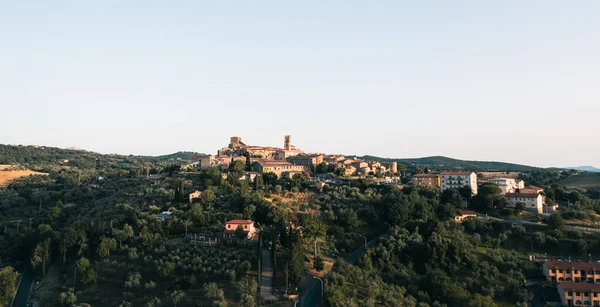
pixel 235 141
pixel 394 167
pixel 287 142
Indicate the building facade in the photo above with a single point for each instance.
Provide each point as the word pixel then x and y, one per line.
pixel 579 294
pixel 507 185
pixel 428 181
pixel 246 225
pixel 282 169
pixel 461 215
pixel 457 180
pixel 306 160
pixel 533 202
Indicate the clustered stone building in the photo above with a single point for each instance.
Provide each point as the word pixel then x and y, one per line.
pixel 289 160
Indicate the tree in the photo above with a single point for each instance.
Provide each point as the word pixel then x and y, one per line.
pixel 67 298
pixel 125 234
pixel 186 224
pixel 520 206
pixel 82 265
pixel 106 246
pixel 349 220
pixel 240 233
pixel 340 171
pixel 213 292
pixel 8 281
pixel 319 264
pixel 322 168
pixel 176 297
pixel 270 177
pixel 555 221
pixel 68 239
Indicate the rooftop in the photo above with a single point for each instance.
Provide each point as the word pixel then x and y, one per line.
pixel 264 162
pixel 522 195
pixel 426 175
pixel 565 265
pixel 580 286
pixel 243 222
pixel 466 212
pixel 456 173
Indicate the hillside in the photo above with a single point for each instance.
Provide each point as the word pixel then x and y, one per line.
pixel 445 163
pixel 41 156
pixel 586 168
pixel 582 180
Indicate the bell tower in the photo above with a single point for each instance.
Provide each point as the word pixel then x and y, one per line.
pixel 287 142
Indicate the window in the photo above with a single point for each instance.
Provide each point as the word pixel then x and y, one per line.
pixel 561 279
pixel 553 271
pixel 560 271
pixel 568 271
pixel 570 293
pixel 595 294
pixel 586 294
pixel 578 294
pixel 245 226
pixel 575 271
pixel 228 226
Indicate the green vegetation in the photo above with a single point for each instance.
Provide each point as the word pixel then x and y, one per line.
pixel 439 163
pixel 94 228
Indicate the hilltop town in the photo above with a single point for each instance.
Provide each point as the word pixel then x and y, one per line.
pixel 260 225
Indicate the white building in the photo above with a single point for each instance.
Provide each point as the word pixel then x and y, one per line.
pixel 533 202
pixel 457 180
pixel 507 185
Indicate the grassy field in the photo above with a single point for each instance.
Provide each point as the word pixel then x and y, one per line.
pixel 7 174
pixel 500 174
pixel 583 180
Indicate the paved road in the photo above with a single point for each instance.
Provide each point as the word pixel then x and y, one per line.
pixel 312 295
pixel 266 281
pixel 24 287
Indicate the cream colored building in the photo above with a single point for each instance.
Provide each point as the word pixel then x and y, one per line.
pixel 282 169
pixel 246 225
pixel 426 181
pixel 306 160
pixel 457 180
pixel 507 185
pixel 195 195
pixel 533 202
pixel 464 214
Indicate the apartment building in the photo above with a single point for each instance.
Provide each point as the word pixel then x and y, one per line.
pixel 457 180
pixel 579 272
pixel 426 181
pixel 507 185
pixel 579 294
pixel 533 202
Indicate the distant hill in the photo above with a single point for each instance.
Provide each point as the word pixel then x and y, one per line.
pixel 582 180
pixel 586 169
pixel 444 163
pixel 181 155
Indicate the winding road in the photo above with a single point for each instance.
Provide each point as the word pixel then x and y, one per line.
pixel 313 292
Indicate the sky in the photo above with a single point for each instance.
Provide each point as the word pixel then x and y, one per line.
pixel 514 81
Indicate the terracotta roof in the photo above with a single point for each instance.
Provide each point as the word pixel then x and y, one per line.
pixel 580 286
pixel 466 212
pixel 244 222
pixel 522 195
pixel 456 173
pixel 532 187
pixel 272 162
pixel 586 266
pixel 426 175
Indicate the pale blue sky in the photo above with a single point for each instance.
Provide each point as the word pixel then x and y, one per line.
pixel 515 81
